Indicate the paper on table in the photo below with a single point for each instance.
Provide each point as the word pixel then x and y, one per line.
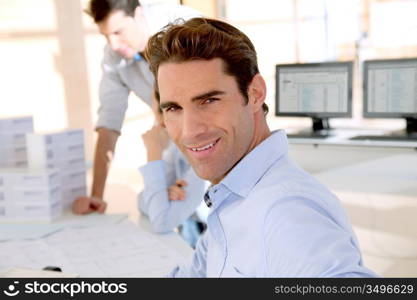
pixel 122 250
pixel 94 219
pixel 21 231
pixel 26 231
pixel 30 273
pixel 28 254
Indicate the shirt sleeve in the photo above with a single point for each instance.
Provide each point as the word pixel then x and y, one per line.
pixel 302 240
pixel 153 201
pixel 113 95
pixel 196 266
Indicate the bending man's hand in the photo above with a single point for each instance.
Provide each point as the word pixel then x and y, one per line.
pixel 86 205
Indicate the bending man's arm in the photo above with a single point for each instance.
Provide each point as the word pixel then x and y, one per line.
pixel 106 144
pixel 113 94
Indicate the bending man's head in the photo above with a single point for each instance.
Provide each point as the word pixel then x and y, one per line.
pixel 123 24
pixel 211 93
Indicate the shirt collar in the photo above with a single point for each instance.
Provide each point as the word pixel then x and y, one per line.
pixel 134 59
pixel 244 176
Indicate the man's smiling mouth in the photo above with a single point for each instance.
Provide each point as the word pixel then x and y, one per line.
pixel 208 146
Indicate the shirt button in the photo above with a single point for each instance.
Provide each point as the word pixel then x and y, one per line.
pixel 207 199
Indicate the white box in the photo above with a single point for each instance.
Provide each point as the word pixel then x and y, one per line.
pixel 34 195
pixel 58 149
pixel 13 152
pixel 30 194
pixel 58 138
pixel 16 125
pixel 66 164
pixel 24 177
pixel 31 212
pixel 69 194
pixel 7 139
pixel 77 177
pixel 5 212
pixel 74 136
pixel 12 164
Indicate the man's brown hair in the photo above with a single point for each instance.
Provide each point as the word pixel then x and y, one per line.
pixel 206 39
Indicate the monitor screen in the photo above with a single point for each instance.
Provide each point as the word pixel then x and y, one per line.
pixel 390 88
pixel 319 90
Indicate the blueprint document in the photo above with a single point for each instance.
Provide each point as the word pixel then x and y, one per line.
pixel 21 231
pixel 120 250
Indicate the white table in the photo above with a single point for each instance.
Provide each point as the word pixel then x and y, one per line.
pixel 122 198
pixel 120 246
pixel 317 155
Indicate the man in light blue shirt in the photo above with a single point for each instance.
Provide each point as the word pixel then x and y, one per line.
pixel 268 218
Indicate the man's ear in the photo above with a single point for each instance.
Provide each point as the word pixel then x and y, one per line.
pixel 257 92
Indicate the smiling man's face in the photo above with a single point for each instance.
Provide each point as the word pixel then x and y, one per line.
pixel 206 116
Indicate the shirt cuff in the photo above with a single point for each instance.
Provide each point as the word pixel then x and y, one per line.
pixel 109 124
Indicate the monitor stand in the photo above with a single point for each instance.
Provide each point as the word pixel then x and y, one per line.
pixel 320 124
pixel 320 129
pixel 410 130
pixel 407 134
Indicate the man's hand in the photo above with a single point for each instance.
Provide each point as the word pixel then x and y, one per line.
pixel 86 205
pixel 176 191
pixel 155 140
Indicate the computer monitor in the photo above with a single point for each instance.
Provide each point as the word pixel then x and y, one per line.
pixel 317 90
pixel 390 91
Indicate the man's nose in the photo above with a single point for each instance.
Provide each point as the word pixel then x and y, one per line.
pixel 114 42
pixel 193 126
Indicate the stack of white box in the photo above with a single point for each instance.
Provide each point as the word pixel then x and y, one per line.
pixel 63 150
pixel 13 142
pixel 29 194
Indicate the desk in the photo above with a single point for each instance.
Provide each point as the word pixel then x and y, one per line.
pixel 101 251
pixel 122 198
pixel 380 197
pixel 317 155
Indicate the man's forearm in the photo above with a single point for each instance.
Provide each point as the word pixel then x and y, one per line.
pixel 153 155
pixel 105 148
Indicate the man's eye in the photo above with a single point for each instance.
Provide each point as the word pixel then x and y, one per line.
pixel 209 100
pixel 171 109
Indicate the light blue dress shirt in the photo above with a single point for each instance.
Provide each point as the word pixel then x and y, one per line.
pixel 269 218
pixel 158 176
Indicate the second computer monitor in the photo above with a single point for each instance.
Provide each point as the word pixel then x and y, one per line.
pixel 390 90
pixel 318 90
